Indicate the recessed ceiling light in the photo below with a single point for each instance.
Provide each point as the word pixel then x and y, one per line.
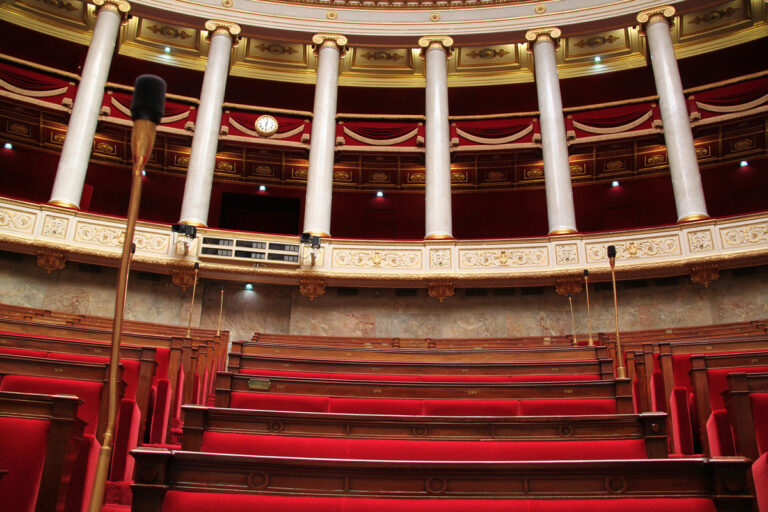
pixel 262 188
pixel 597 58
pixel 614 183
pixel 249 286
pixel 743 163
pixel 379 194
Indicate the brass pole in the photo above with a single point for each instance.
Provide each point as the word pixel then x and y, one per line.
pixel 142 140
pixel 573 320
pixel 621 372
pixel 590 341
pixel 221 310
pixel 192 303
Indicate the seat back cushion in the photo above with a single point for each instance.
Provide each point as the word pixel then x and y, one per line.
pixel 273 402
pixel 22 453
pixel 470 407
pixel 760 416
pixel 567 407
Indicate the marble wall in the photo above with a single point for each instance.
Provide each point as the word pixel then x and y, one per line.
pixel 737 295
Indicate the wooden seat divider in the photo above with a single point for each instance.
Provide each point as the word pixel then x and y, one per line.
pixel 164 474
pixel 701 364
pixel 648 426
pixel 601 368
pixel 64 436
pixel 619 390
pixel 739 405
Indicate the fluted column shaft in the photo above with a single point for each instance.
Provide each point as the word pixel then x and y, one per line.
pixel 205 142
pixel 438 221
pixel 681 152
pixel 561 216
pixel 76 152
pixel 317 210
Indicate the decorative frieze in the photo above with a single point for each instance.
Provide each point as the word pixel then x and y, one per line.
pixel 377 259
pixel 751 234
pixel 499 258
pixel 16 220
pixel 111 237
pixel 640 248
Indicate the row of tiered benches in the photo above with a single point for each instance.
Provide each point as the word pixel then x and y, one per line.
pixel 332 423
pixel 54 372
pixel 379 424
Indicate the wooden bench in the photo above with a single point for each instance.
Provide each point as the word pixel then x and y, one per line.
pixel 602 368
pixel 709 380
pixel 649 427
pixel 414 355
pixel 146 357
pixel 41 438
pixel 617 391
pixel 208 482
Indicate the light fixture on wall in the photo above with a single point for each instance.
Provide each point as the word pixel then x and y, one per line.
pixel 614 183
pixel 262 188
pixel 597 59
pixel 167 49
pixel 8 145
pixel 249 286
pixel 379 194
pixel 743 163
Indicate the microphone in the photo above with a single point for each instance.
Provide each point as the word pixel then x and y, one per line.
pixel 612 255
pixel 147 108
pixel 590 341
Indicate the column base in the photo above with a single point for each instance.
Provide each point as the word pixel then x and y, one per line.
pixel 439 236
pixel 64 204
pixel 693 217
pixel 562 231
pixel 321 234
pixel 195 223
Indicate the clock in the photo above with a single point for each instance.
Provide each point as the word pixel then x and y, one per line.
pixel 266 125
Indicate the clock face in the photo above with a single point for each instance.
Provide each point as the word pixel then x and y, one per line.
pixel 266 125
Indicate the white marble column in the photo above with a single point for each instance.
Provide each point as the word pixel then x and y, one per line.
pixel 205 142
pixel 317 210
pixel 438 220
pixel 681 152
pixel 557 171
pixel 76 153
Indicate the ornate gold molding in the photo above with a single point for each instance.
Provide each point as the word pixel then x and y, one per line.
pixel 543 34
pixel 337 41
pixel 121 7
pixel 51 260
pixel 438 236
pixel 183 277
pixel 693 217
pixel 663 13
pixel 312 287
pixel 705 274
pixel 232 30
pixel 64 204
pixel 569 286
pixel 428 42
pixel 440 289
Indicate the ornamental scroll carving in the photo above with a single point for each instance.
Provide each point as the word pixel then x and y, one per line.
pixel 14 220
pixel 55 227
pixel 752 234
pixel 377 259
pixel 636 249
pixel 439 258
pixel 566 254
pixel 700 241
pixel 483 258
pixel 113 237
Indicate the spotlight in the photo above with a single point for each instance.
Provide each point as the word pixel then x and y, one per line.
pixel 143 172
pixel 379 194
pixel 614 183
pixel 167 49
pixel 249 286
pixel 8 145
pixel 743 163
pixel 262 188
pixel 598 59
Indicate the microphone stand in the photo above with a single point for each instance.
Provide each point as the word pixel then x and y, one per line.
pixel 590 341
pixel 621 372
pixel 142 141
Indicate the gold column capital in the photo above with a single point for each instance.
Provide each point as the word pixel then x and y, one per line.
pixel 428 42
pixel 665 13
pixel 232 30
pixel 543 34
pixel 121 7
pixel 323 40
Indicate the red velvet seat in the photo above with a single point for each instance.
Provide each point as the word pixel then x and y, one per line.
pixel 22 453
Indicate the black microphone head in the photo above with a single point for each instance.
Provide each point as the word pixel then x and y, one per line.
pixel 148 98
pixel 197 265
pixel 586 272
pixel 611 251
